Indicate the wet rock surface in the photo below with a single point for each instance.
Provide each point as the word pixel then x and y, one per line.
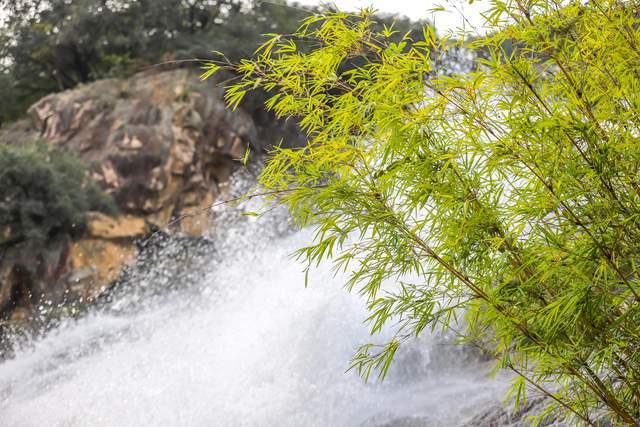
pixel 502 416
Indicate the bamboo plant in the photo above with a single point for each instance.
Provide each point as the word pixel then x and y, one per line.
pixel 503 204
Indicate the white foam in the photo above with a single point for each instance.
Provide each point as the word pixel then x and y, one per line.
pixel 250 345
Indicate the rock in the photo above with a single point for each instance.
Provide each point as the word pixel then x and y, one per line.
pixel 161 143
pixel 499 415
pixel 32 273
pixel 20 314
pixel 197 218
pixel 399 422
pixel 94 264
pixel 124 227
pixel 6 288
pixel 145 148
pixel 62 270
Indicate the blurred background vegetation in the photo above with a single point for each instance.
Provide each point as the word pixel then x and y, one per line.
pixel 52 45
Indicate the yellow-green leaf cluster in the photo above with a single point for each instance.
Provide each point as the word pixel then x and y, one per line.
pixel 503 203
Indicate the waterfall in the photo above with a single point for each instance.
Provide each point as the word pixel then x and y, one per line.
pixel 228 335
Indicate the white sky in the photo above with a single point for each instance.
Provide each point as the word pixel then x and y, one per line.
pixel 450 20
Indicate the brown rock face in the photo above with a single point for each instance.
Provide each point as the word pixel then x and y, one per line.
pixel 94 264
pixel 103 226
pixel 160 143
pixel 149 139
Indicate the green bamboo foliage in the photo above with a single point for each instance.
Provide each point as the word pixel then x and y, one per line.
pixel 505 202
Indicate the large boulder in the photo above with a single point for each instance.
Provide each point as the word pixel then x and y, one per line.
pixel 161 143
pixel 158 142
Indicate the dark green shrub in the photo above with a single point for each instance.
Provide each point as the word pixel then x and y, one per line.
pixel 44 191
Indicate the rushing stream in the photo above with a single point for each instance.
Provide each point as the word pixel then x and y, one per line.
pixel 234 338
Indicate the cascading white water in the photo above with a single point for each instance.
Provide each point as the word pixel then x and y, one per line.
pixel 246 344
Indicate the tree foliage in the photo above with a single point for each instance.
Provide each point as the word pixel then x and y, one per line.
pixel 52 45
pixel 503 203
pixel 44 191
